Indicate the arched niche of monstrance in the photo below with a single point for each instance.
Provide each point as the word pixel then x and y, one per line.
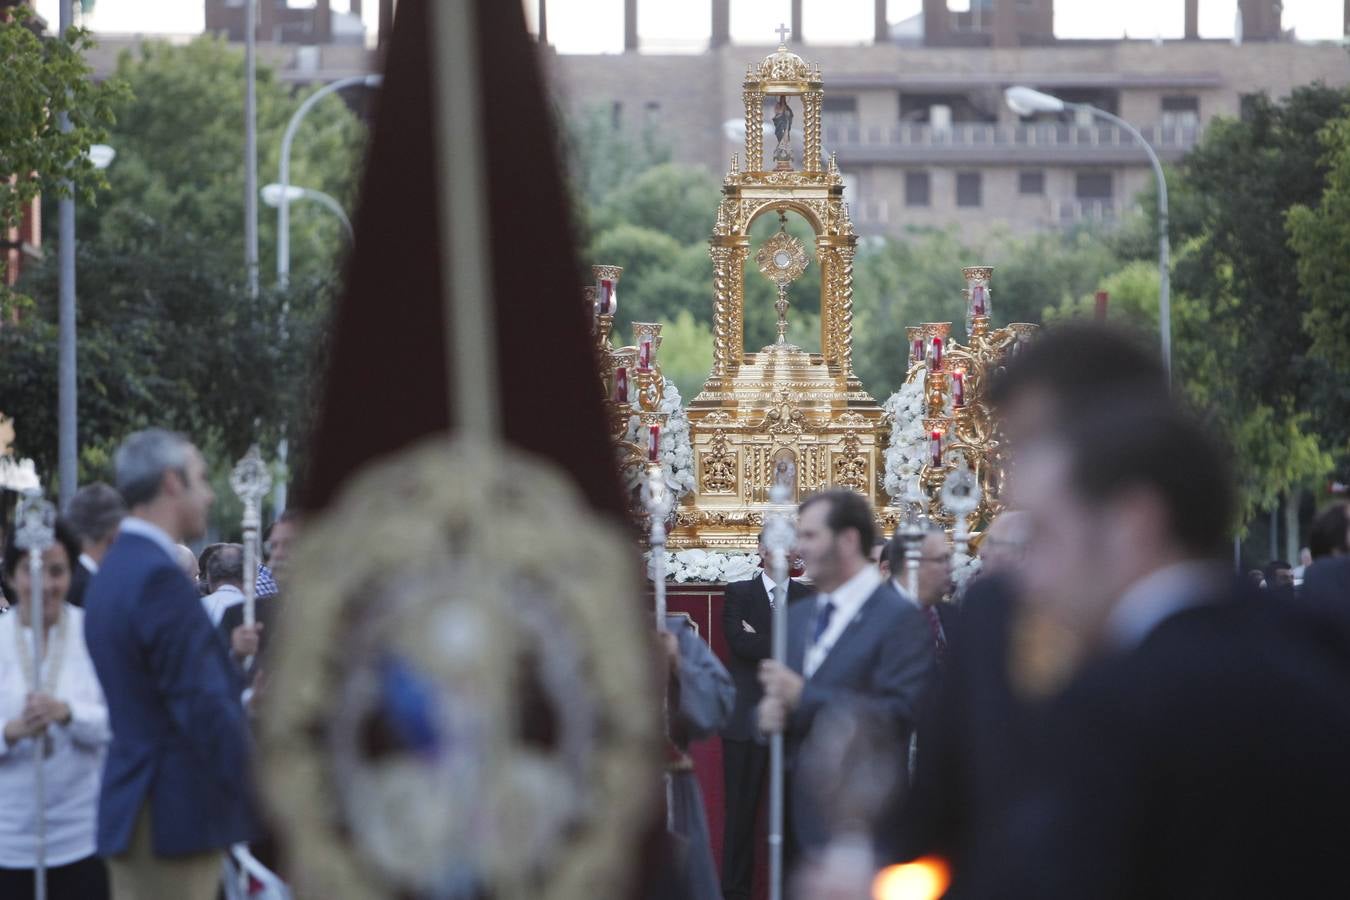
pixel 833 244
pixel 804 294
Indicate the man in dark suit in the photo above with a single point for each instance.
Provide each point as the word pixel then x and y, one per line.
pixel 1200 735
pixel 95 512
pixel 933 581
pixel 176 784
pixel 747 622
pixel 859 648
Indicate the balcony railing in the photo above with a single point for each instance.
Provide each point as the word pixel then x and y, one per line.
pixel 1171 140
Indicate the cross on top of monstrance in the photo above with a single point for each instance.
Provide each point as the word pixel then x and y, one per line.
pixel 782 259
pixel 783 32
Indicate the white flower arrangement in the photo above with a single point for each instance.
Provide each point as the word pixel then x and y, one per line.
pixel 677 451
pixel 908 449
pixel 707 566
pixel 964 568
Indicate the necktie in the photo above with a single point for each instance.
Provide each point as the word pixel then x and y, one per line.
pixel 772 592
pixel 823 615
pixel 935 626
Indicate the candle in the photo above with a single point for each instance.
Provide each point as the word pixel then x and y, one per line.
pixel 916 351
pixel 621 384
pixel 935 447
pixel 958 388
pixel 607 297
pixel 977 300
pixel 654 443
pixel 937 354
pixel 644 360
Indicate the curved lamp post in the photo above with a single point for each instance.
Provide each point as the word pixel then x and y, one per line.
pixel 276 196
pixel 1025 101
pixel 284 174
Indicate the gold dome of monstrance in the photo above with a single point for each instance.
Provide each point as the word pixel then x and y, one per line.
pixel 781 403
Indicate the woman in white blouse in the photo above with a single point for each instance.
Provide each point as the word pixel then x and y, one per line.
pixel 64 714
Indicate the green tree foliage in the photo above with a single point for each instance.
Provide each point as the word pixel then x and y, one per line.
pixel 44 77
pixel 168 334
pixel 1320 235
pixel 180 155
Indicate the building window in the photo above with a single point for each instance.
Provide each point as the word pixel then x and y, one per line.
pixel 1181 109
pixel 1093 186
pixel 968 189
pixel 832 105
pixel 616 115
pixel 916 189
pixel 651 112
pixel 1031 182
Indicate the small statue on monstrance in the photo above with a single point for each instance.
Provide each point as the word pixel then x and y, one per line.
pixel 782 131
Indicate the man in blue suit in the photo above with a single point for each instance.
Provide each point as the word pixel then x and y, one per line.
pixel 176 784
pixel 859 648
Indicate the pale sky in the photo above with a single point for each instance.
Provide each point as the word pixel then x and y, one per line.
pixel 682 25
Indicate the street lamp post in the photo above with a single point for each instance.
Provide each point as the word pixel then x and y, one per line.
pixel 1024 101
pixel 275 195
pixel 284 173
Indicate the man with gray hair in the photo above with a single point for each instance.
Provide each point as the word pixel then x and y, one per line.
pixel 176 788
pixel 95 512
pixel 224 579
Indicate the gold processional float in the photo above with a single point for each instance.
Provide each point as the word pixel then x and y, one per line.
pixel 784 408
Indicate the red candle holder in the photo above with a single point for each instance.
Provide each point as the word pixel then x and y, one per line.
pixel 654 443
pixel 644 354
pixel 621 384
pixel 958 389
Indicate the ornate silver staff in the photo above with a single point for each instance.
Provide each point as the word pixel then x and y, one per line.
pixel 251 481
pixel 961 497
pixel 912 536
pixel 779 535
pixel 656 500
pixel 35 531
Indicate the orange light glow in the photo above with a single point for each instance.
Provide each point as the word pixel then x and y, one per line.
pixel 924 879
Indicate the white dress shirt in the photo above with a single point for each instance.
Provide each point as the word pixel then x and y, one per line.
pixel 771 586
pixel 88 562
pixel 75 767
pixel 847 600
pixel 1156 597
pixel 222 599
pixel 138 526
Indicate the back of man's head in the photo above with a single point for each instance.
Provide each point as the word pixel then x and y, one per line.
pixel 143 460
pixel 95 512
pixel 1136 444
pixel 844 510
pixel 1330 533
pixel 225 566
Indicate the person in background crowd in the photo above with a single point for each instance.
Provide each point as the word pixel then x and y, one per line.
pixel 859 648
pixel 1004 544
pixel 187 561
pixel 224 577
pixel 177 788
pixel 1330 533
pixel 1326 583
pixel 203 562
pixel 1304 560
pixel 1279 578
pixel 63 716
pixel 95 512
pixel 879 558
pixel 747 623
pixel 1256 578
pixel 278 541
pixel 934 581
pixel 700 694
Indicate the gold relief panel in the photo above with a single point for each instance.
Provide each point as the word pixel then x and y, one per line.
pixel 850 465
pixel 718 466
